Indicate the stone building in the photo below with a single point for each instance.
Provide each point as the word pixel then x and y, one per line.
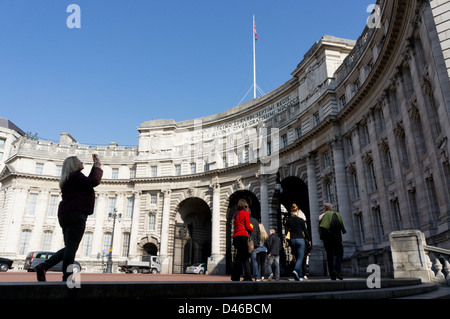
pixel 361 124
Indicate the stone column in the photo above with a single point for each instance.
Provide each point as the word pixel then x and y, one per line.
pixel 265 216
pixel 316 259
pixel 343 196
pixel 165 233
pixel 216 263
pixel 135 225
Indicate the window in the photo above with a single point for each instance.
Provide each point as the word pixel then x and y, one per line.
pixel 87 246
pixel 24 241
pixel 130 207
pixel 206 167
pixel 373 177
pixel 39 168
pixel 47 241
pixel 153 199
pixel 125 244
pixel 31 204
pixel 154 171
pixel 351 151
pixel 362 234
pixel 107 242
pixel 58 170
pixel 326 159
pixel 284 140
pixel 53 206
pixel 151 221
pixel 330 192
pixel 299 132
pixel 2 142
pixel 225 161
pixel 111 205
pixel 193 168
pixel 379 228
pixel 316 119
pixel 115 173
pixel 355 185
pixel 177 170
pixel 342 101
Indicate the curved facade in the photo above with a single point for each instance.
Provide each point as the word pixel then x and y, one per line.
pixel 361 124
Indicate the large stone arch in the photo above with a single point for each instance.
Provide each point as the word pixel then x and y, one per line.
pixel 192 234
pixel 255 208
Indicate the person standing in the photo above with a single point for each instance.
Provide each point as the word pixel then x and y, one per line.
pixel 78 199
pixel 299 239
pixel 273 251
pixel 261 253
pixel 242 229
pixel 256 237
pixel 331 228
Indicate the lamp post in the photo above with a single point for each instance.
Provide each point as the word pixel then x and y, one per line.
pixel 112 216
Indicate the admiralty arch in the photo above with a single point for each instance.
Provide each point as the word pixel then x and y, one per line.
pixel 361 124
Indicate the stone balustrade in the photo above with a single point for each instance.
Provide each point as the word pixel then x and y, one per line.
pixel 413 258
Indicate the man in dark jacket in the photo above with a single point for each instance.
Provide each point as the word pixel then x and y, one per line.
pixel 273 250
pixel 331 228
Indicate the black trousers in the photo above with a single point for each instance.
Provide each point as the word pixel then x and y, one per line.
pixel 73 225
pixel 242 259
pixel 335 254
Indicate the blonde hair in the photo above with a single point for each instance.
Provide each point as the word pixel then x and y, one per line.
pixel 69 166
pixel 264 235
pixel 294 208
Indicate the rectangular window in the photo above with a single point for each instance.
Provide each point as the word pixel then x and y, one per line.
pixel 115 173
pixel 53 206
pixel 130 207
pixel 125 244
pixel 39 168
pixel 154 171
pixel 24 241
pixel 47 241
pixel 87 246
pixel 31 204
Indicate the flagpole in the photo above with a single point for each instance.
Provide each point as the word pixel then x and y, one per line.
pixel 254 58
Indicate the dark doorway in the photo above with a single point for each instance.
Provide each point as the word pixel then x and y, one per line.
pixel 192 234
pixel 255 208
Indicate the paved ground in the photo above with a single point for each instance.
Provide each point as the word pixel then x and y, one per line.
pixel 116 277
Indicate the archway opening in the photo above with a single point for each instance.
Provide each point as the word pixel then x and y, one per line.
pixel 255 208
pixel 192 234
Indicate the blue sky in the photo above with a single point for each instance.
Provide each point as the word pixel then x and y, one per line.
pixel 138 60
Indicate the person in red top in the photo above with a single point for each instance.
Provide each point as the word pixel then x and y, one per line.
pixel 242 229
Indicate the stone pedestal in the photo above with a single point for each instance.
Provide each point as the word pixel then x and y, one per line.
pixel 408 255
pixel 216 265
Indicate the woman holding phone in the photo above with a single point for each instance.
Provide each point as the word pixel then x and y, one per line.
pixel 78 199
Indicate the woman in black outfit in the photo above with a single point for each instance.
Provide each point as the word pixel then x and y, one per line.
pixel 299 239
pixel 78 199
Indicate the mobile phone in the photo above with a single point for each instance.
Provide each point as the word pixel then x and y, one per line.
pixel 94 157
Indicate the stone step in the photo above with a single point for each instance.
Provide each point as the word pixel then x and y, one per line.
pixel 348 288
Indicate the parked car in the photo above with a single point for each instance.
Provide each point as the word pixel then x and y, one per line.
pixel 35 258
pixel 199 268
pixel 5 264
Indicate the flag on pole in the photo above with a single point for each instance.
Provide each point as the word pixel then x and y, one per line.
pixel 254 30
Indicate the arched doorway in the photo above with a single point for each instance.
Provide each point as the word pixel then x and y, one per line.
pixel 148 246
pixel 192 234
pixel 292 190
pixel 255 208
pixel 148 250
